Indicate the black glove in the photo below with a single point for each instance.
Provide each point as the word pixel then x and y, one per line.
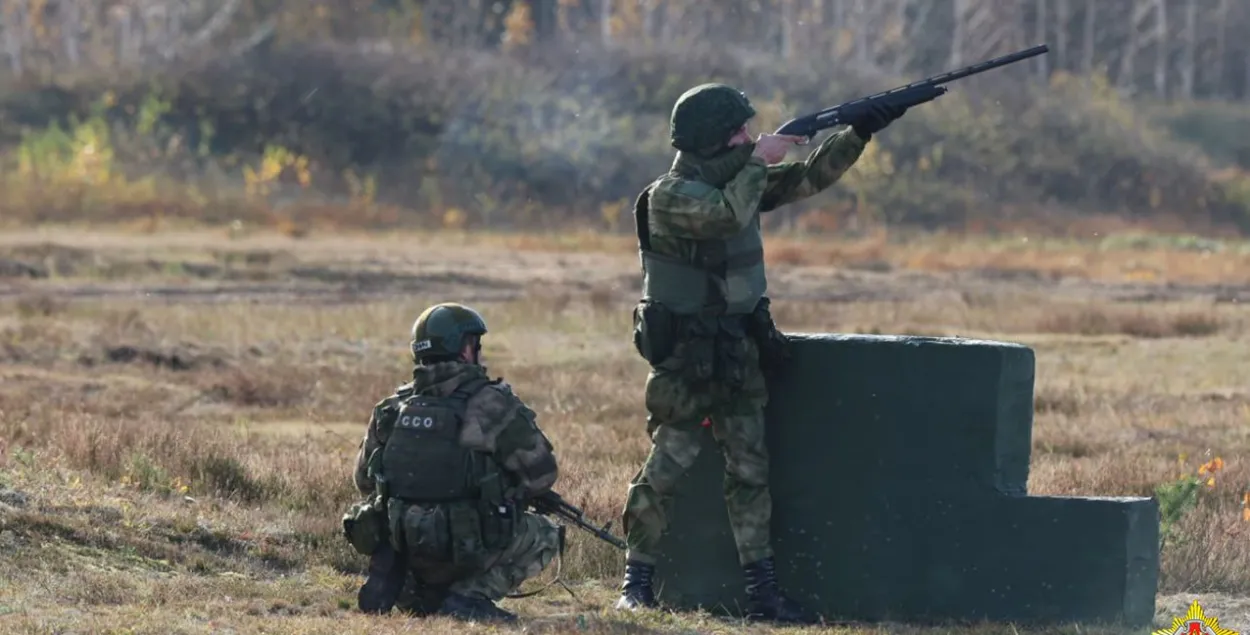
pixel 874 118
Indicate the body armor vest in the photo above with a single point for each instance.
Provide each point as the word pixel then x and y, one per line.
pixel 423 459
pixel 724 277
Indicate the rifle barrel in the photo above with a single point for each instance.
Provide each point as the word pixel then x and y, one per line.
pixel 553 504
pixel 981 67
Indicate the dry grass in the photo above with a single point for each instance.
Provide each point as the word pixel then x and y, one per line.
pixel 180 463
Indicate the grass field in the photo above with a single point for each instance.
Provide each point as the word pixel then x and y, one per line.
pixel 179 412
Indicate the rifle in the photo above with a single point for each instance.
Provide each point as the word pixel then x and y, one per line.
pixel 913 94
pixel 551 504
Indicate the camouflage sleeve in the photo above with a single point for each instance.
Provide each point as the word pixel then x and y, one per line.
pixel 496 421
pixel 690 209
pixel 794 180
pixel 380 424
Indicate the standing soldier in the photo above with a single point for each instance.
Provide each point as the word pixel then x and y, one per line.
pixel 704 324
pixel 450 460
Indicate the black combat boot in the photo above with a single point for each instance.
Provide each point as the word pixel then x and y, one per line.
pixel 636 589
pixel 765 600
pixel 420 598
pixel 384 581
pixel 466 607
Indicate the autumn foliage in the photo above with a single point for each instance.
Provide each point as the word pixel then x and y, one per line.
pixel 538 114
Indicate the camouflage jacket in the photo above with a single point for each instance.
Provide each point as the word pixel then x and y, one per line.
pixel 678 211
pixel 496 421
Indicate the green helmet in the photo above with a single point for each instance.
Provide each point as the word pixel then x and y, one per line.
pixel 440 330
pixel 707 115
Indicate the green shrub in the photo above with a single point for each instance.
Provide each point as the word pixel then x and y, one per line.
pixel 532 139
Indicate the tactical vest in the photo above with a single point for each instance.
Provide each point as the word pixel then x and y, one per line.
pixel 724 277
pixel 423 460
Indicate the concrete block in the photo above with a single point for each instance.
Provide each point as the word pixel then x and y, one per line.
pixel 898 476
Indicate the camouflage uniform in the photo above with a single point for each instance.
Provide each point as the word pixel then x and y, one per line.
pixel 504 458
pixel 704 325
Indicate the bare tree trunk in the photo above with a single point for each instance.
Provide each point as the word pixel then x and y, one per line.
pixel 919 26
pixel 122 32
pixel 705 23
pixel 14 29
pixel 175 24
pixel 835 17
pixel 906 49
pixel 1245 86
pixel 154 18
pixel 985 28
pixel 649 7
pixel 863 46
pixel 1127 77
pixel 817 26
pixel 1043 68
pixel 957 35
pixel 1188 53
pixel 71 29
pixel 1063 14
pixel 1221 47
pixel 1087 37
pixel 666 23
pixel 225 13
pixel 788 19
pixel 1161 48
pixel 605 21
pixel 547 18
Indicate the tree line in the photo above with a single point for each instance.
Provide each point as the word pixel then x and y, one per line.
pixel 1164 49
pixel 1169 49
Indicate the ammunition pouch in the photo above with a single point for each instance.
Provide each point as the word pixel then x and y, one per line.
pixel 655 331
pixel 774 346
pixel 701 348
pixel 447 541
pixel 731 353
pixel 429 537
pixel 468 548
pixel 477 531
pixel 695 357
pixel 364 526
pixel 395 509
pixel 706 349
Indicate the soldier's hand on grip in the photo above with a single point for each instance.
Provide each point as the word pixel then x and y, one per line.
pixel 772 148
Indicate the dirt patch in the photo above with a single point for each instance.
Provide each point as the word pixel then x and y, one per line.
pixel 193 546
pixel 375 280
pixel 10 268
pixel 255 258
pixel 258 387
pixel 1139 322
pixel 34 342
pixel 180 357
pixel 13 498
pixel 46 258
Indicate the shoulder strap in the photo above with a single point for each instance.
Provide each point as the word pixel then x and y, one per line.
pixel 489 487
pixel 642 208
pixel 466 390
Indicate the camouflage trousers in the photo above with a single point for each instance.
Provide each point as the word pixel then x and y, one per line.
pixel 534 545
pixel 676 412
